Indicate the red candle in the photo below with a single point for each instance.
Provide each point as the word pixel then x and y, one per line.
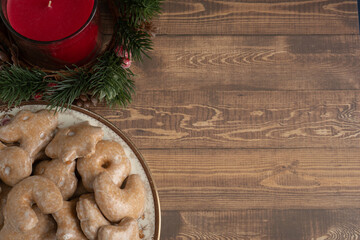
pixel 57 24
pixel 44 20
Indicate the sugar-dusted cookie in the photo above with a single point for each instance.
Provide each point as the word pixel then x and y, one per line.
pixel 62 174
pixel 116 203
pixel 75 141
pixel 68 225
pixel 33 131
pixel 80 189
pixel 5 189
pixel 109 157
pixel 45 229
pixel 15 165
pixel 32 190
pixel 127 229
pixel 91 218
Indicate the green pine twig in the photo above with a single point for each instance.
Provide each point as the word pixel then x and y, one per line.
pixel 137 42
pixel 19 84
pixel 111 82
pixel 137 12
pixel 63 93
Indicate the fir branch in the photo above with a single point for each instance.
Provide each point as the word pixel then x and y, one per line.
pixel 19 84
pixel 137 12
pixel 64 92
pixel 137 42
pixel 111 82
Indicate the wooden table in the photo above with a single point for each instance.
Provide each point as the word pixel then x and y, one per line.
pixel 248 115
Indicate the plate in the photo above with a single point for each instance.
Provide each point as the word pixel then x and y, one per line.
pixel 150 223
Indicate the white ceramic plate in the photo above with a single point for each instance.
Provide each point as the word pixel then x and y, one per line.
pixel 150 225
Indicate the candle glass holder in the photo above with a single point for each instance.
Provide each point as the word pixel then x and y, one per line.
pixel 78 49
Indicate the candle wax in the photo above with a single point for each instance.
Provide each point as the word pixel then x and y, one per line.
pixel 34 19
pixel 42 21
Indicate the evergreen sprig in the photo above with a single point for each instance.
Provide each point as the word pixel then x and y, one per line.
pixel 72 85
pixel 106 80
pixel 136 41
pixel 138 11
pixel 111 82
pixel 134 14
pixel 19 84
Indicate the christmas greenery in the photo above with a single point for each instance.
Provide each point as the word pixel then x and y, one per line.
pixel 111 82
pixel 138 11
pixel 19 84
pixel 136 41
pixel 109 79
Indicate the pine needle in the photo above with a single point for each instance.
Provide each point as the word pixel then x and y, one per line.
pixel 19 84
pixel 111 82
pixel 65 92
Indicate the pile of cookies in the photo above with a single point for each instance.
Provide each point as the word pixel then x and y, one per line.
pixel 65 184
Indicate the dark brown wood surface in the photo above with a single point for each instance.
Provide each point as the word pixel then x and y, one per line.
pixel 248 114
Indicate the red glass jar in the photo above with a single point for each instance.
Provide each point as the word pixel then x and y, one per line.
pixel 78 48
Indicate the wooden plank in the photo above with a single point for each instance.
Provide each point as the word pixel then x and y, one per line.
pixel 231 179
pixel 251 63
pixel 262 225
pixel 271 17
pixel 259 17
pixel 240 119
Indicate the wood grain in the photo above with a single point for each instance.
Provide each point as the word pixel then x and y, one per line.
pixel 252 63
pixel 231 179
pixel 248 116
pixel 262 225
pixel 271 17
pixel 241 119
